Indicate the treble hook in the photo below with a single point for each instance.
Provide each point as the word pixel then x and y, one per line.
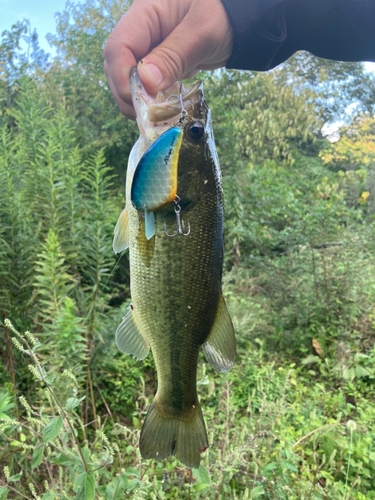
pixel 180 223
pixel 181 101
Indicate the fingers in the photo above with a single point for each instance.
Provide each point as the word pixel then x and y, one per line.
pixel 124 108
pixel 169 40
pixel 129 41
pixel 202 38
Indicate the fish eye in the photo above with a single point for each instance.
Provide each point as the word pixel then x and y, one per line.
pixel 195 130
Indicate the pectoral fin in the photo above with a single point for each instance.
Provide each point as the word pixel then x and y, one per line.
pixel 220 346
pixel 129 338
pixel 149 224
pixel 121 238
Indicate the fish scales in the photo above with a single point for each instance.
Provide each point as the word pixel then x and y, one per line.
pixel 176 283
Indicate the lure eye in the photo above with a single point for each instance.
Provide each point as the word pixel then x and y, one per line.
pixel 195 131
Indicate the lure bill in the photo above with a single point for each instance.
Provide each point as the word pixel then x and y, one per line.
pixel 177 304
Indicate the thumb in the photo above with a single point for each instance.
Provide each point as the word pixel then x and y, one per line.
pixel 169 61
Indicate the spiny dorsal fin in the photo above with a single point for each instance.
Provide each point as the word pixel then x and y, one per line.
pixel 129 338
pixel 220 346
pixel 121 238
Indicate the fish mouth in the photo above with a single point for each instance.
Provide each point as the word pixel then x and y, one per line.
pixel 164 109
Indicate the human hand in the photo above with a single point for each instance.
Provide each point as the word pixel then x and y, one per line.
pixel 170 40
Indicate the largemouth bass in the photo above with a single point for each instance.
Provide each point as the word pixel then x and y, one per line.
pixel 177 304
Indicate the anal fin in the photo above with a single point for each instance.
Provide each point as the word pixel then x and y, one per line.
pixel 220 346
pixel 129 339
pixel 121 238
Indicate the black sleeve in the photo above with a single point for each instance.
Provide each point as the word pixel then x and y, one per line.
pixel 267 32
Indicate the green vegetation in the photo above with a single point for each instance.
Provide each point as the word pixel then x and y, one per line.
pixel 295 419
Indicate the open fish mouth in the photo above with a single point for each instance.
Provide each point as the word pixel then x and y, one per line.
pixel 164 109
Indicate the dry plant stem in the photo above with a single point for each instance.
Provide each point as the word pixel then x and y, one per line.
pixel 145 471
pixel 82 420
pixel 2 483
pixel 292 293
pixel 93 421
pixel 117 485
pixel 86 402
pixel 91 392
pixel 105 404
pixel 313 483
pixel 36 485
pixel 325 276
pixel 50 472
pixel 350 456
pixel 90 350
pixel 63 412
pixel 313 432
pixel 314 272
pixel 103 465
pixel 190 480
pixel 226 418
pixel 10 358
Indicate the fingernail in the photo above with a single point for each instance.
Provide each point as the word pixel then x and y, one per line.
pixel 152 73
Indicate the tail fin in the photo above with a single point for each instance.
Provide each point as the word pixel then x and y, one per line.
pixel 164 435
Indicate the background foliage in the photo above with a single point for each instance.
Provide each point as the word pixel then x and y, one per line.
pixel 295 417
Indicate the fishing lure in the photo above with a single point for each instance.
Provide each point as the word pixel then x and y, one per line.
pixel 155 179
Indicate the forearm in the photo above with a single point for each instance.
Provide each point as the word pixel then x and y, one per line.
pixel 267 32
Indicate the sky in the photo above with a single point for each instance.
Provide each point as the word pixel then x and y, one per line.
pixel 40 12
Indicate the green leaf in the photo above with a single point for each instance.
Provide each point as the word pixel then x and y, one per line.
pixel 16 477
pixel 133 484
pixel 84 486
pixel 37 456
pixel 72 403
pixel 257 492
pixel 50 495
pixel 61 460
pixel 130 471
pixel 204 381
pixel 115 489
pixel 50 379
pixel 3 492
pixel 287 465
pixel 311 359
pixel 200 486
pixel 86 454
pixel 52 429
pixel 204 476
pixel 269 467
